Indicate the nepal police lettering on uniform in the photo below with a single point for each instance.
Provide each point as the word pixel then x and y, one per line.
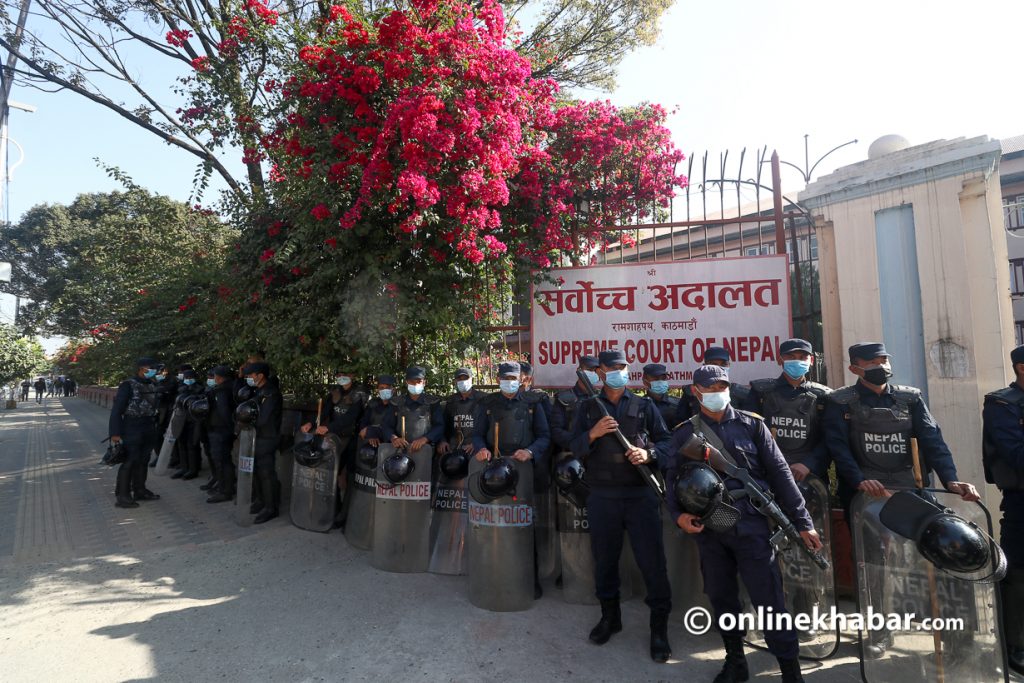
pixel 881 436
pixel 997 470
pixel 143 402
pixel 794 422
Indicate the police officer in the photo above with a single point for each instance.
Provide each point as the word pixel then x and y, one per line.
pixel 166 391
pixel 340 414
pixel 868 428
pixel 40 387
pixel 133 423
pixel 190 452
pixel 379 410
pixel 656 387
pixel 220 429
pixel 421 411
pixel 25 386
pixel 793 408
pixel 690 406
pixel 564 408
pixel 620 499
pixel 268 436
pixel 745 549
pixel 460 414
pixel 1003 417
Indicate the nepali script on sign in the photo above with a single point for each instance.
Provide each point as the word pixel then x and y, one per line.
pixel 666 313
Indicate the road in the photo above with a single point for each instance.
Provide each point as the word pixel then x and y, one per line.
pixel 175 590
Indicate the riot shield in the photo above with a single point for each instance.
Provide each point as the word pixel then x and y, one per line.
pixel 360 499
pixel 682 560
pixel 174 427
pixel 243 487
pixel 895 581
pixel 448 524
pixel 500 545
pixel 545 532
pixel 401 516
pixel 578 560
pixel 314 485
pixel 808 587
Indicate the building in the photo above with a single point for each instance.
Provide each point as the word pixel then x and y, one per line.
pixel 1011 179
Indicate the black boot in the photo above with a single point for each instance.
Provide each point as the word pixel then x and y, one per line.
pixel 660 649
pixel 610 624
pixel 735 669
pixel 790 669
pixel 146 495
pixel 268 485
pixel 122 490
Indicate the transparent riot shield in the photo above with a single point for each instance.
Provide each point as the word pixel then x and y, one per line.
pixel 900 592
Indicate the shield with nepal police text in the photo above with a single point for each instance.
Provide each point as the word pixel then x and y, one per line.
pixel 667 313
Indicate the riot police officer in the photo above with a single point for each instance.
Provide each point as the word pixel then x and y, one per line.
pixel 868 430
pixel 523 432
pixel 268 436
pixel 190 452
pixel 689 405
pixel 621 500
pixel 421 412
pixel 221 433
pixel 460 414
pixel 656 386
pixel 166 391
pixel 378 410
pixel 133 423
pixel 744 549
pixel 564 408
pixel 1003 454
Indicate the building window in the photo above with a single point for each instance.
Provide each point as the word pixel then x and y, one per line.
pixel 1017 276
pixel 1019 329
pixel 1013 212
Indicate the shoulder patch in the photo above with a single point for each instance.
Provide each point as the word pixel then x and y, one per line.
pixel 819 389
pixel 750 413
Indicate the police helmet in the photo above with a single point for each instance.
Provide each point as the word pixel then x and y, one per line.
pixel 198 407
pixel 247 412
pixel 954 544
pixel 308 453
pixel 244 393
pixel 568 472
pixel 498 478
pixel 398 467
pixel 367 456
pixel 455 464
pixel 179 400
pixel 700 491
pixel 115 455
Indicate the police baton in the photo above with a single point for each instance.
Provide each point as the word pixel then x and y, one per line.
pixel 645 471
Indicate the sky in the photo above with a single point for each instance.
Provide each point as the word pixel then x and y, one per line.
pixel 739 73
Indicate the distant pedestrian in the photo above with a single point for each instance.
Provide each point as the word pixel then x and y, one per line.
pixel 40 386
pixel 25 386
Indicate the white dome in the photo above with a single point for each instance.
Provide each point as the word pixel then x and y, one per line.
pixel 887 144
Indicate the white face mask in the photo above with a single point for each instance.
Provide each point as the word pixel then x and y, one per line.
pixel 415 389
pixel 343 381
pixel 464 385
pixel 715 401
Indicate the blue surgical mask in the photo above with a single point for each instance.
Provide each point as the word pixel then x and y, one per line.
pixel 415 389
pixel 150 373
pixel 509 386
pixel 715 401
pixel 385 394
pixel 796 369
pixel 160 378
pixel 592 376
pixel 189 382
pixel 343 381
pixel 251 381
pixel 464 385
pixel 659 386
pixel 211 382
pixel 616 379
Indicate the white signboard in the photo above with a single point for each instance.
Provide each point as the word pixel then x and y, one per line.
pixel 666 313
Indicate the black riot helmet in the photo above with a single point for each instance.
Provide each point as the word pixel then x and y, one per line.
pixel 179 400
pixel 198 407
pixel 569 478
pixel 367 456
pixel 308 453
pixel 498 478
pixel 455 464
pixel 398 467
pixel 955 545
pixel 116 454
pixel 247 412
pixel 244 393
pixel 700 491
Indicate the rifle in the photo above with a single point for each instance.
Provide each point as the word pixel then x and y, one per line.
pixel 698 448
pixel 645 472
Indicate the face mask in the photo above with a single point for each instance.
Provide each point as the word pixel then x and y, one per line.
pixel 343 381
pixel 415 389
pixel 659 386
pixel 464 385
pixel 181 377
pixel 385 394
pixel 509 386
pixel 796 369
pixel 160 378
pixel 878 375
pixel 189 382
pixel 592 376
pixel 149 374
pixel 715 401
pixel 211 382
pixel 616 379
pixel 251 381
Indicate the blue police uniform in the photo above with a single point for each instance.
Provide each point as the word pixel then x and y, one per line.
pixel 133 416
pixel 808 440
pixel 745 549
pixel 539 428
pixel 562 426
pixel 620 499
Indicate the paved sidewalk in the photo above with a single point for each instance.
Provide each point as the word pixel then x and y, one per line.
pixel 175 591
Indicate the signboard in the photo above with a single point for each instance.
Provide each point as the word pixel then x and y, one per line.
pixel 666 313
